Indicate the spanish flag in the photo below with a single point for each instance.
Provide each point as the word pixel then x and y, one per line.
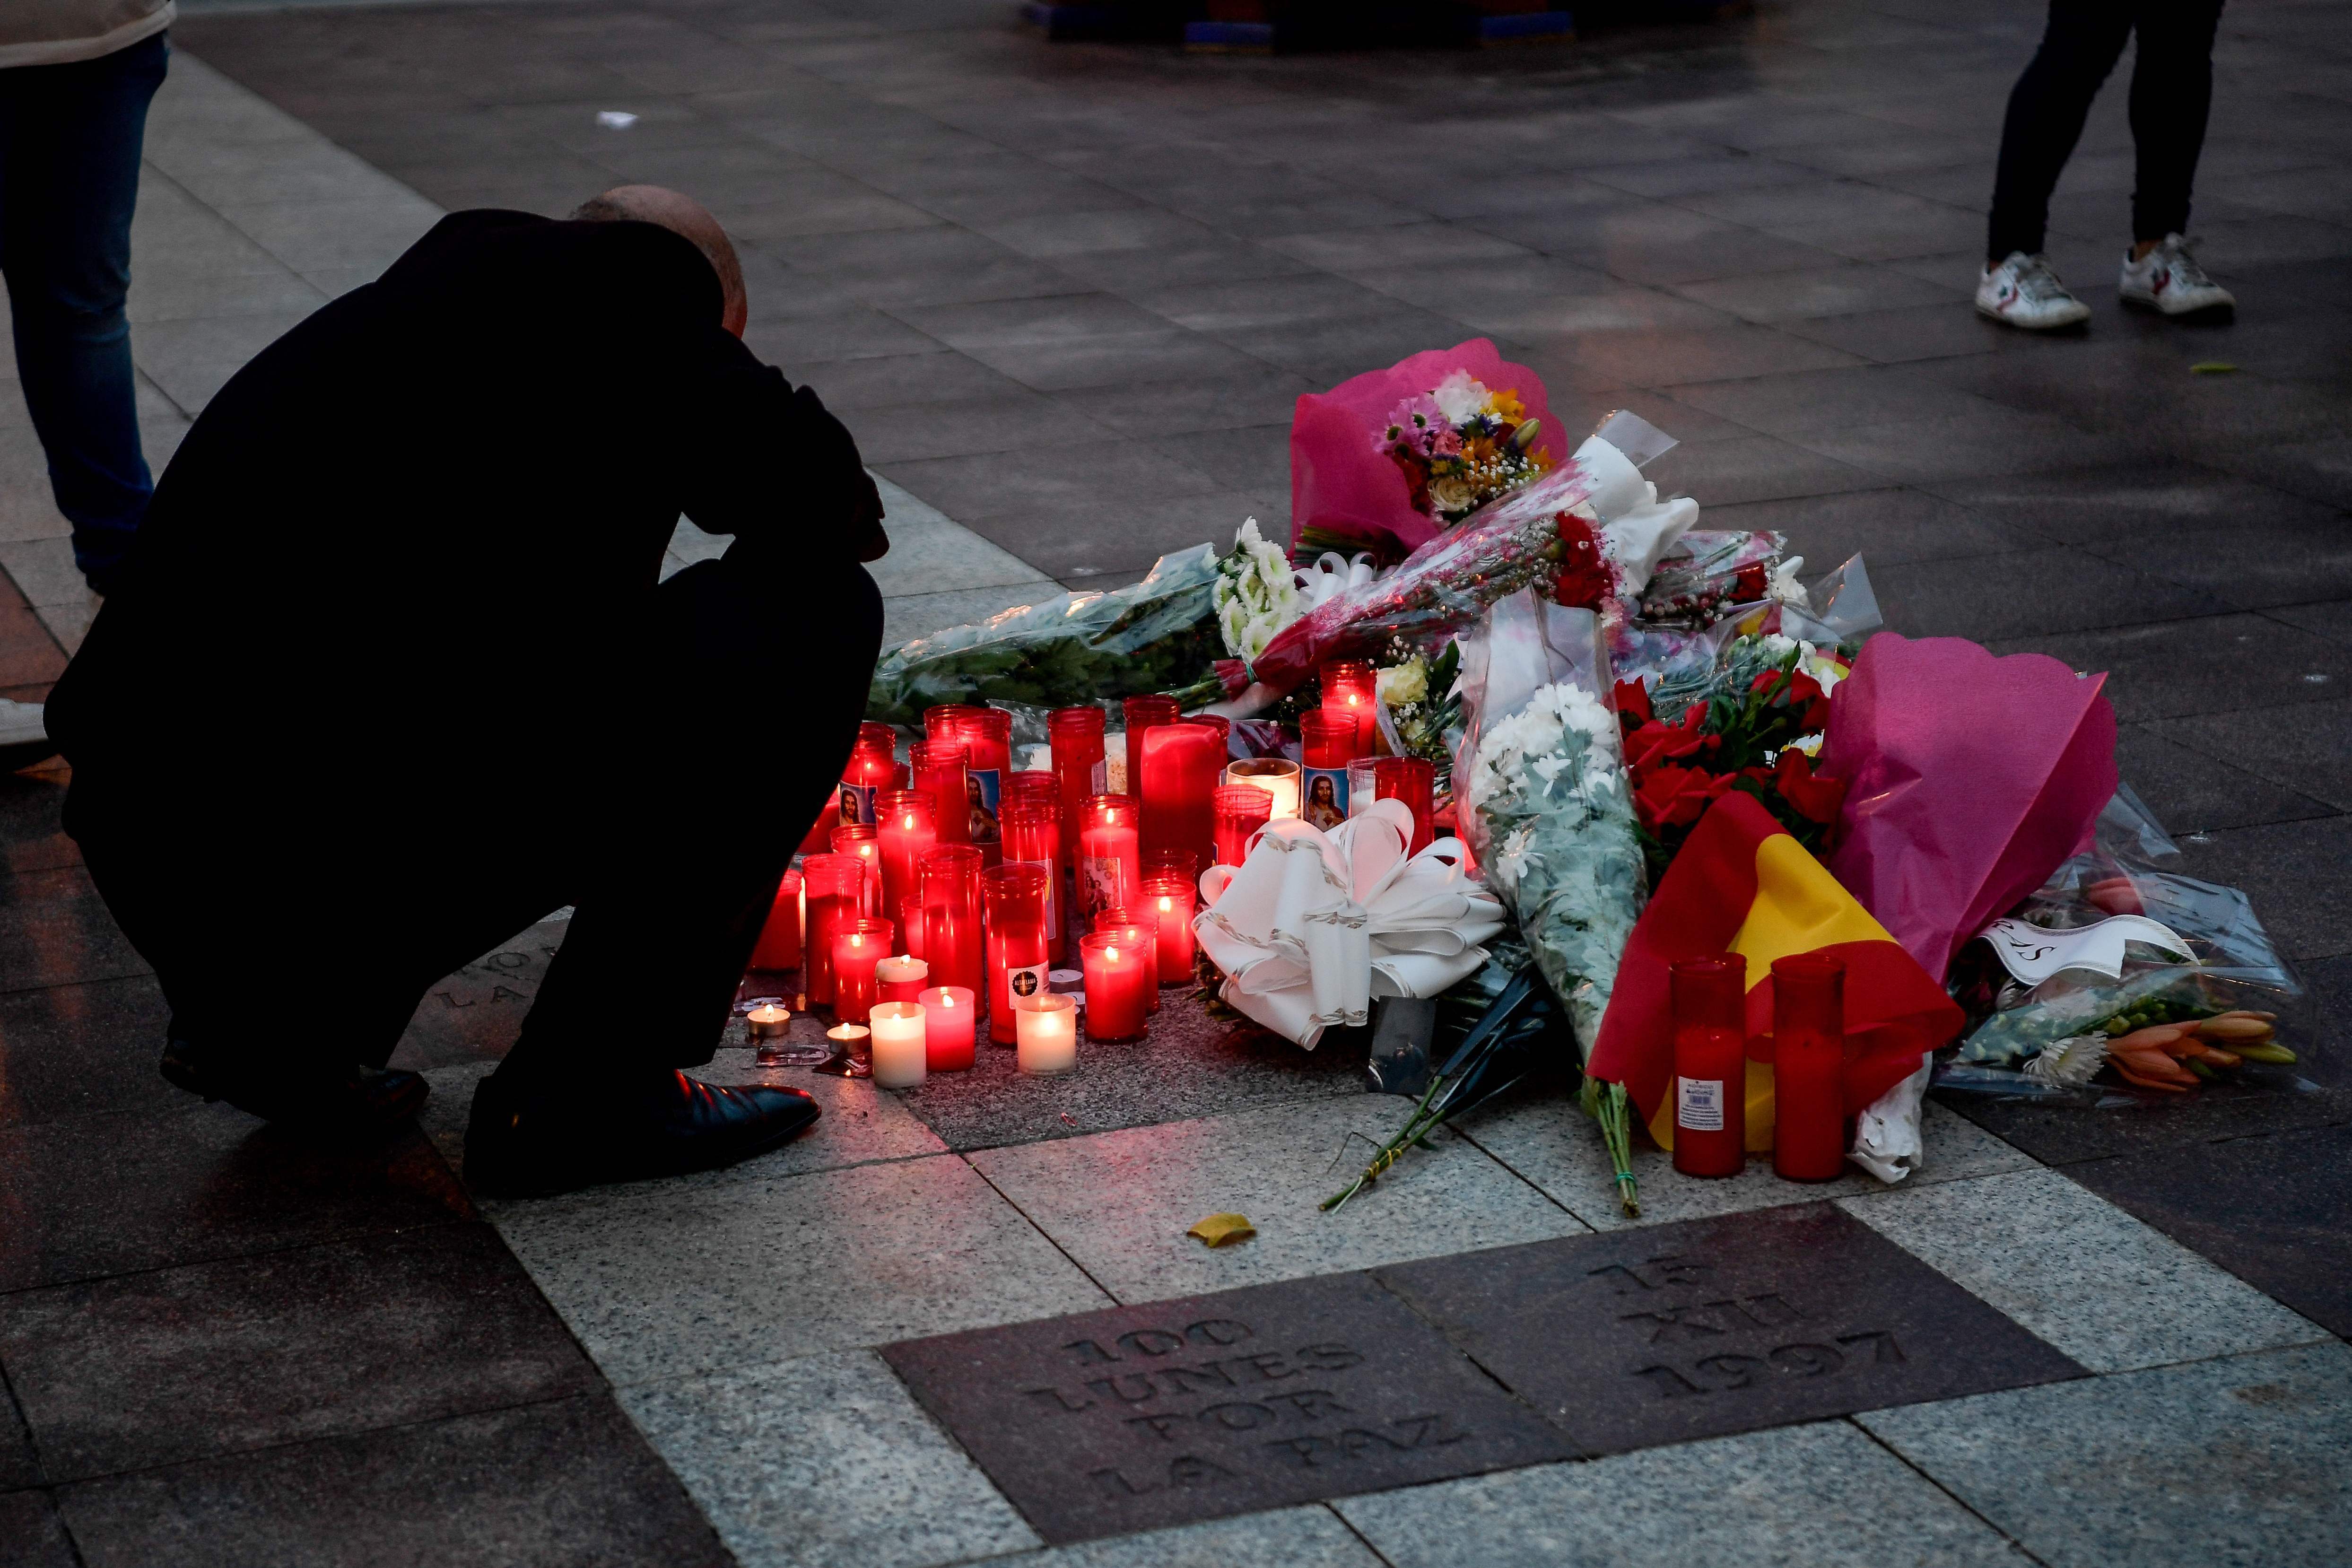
pixel 1742 884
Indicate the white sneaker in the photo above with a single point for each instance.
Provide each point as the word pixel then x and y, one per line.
pixel 2024 292
pixel 2167 278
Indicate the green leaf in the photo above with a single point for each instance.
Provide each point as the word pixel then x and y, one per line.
pixel 2212 368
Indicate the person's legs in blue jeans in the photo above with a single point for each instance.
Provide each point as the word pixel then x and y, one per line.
pixel 69 147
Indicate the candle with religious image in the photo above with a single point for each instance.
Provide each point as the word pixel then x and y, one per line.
pixel 873 767
pixel 834 888
pixel 1351 689
pixel 1327 742
pixel 1110 854
pixel 858 946
pixel 1170 901
pixel 902 977
pixel 778 946
pixel 987 737
pixel 1117 985
pixel 938 768
pixel 903 826
pixel 1014 897
pixel 1033 836
pixel 1139 929
pixel 1809 1139
pixel 949 1019
pixel 951 929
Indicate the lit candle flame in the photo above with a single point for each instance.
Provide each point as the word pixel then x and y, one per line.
pixel 947 998
pixel 1111 955
pixel 1166 903
pixel 910 821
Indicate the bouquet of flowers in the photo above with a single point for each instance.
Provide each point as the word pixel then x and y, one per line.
pixel 1460 445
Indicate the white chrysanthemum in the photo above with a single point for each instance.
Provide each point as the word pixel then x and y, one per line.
pixel 1461 397
pixel 1255 595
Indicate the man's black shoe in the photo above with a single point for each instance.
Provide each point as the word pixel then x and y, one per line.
pixel 332 1102
pixel 532 1143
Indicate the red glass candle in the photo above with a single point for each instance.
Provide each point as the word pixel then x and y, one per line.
pixel 859 944
pixel 903 825
pixel 835 891
pixel 1350 687
pixel 778 946
pixel 1075 735
pixel 858 838
pixel 1180 766
pixel 1116 986
pixel 1808 1066
pixel 1242 810
pixel 987 737
pixel 1033 836
pixel 1110 858
pixel 1140 929
pixel 901 978
pixel 1170 901
pixel 949 1019
pixel 1710 1086
pixel 1167 862
pixel 952 934
pixel 872 769
pixel 1412 780
pixel 909 914
pixel 1013 899
pixel 1328 744
pixel 945 722
pixel 938 767
pixel 1142 714
pixel 1034 785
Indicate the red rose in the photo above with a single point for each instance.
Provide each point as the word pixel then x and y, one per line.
pixel 1749 586
pixel 1631 700
pixel 1672 796
pixel 1812 797
pixel 1654 742
pixel 1583 579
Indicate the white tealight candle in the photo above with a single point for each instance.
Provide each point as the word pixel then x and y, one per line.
pixel 899 1043
pixel 1045 1033
pixel 1276 776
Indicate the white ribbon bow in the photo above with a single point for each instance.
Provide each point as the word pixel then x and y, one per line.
pixel 1314 925
pixel 1331 576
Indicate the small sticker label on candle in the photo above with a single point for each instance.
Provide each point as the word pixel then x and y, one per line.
pixel 1325 805
pixel 1026 982
pixel 1099 777
pixel 856 804
pixel 982 788
pixel 1102 884
pixel 1699 1104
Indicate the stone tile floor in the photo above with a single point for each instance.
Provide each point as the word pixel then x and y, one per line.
pixel 1065 296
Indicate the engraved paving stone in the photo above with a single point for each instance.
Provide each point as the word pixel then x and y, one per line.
pixel 1142 1416
pixel 1664 1333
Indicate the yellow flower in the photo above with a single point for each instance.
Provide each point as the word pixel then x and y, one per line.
pixel 1504 405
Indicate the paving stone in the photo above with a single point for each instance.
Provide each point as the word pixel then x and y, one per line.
pixel 474 1013
pixel 1279 1394
pixel 1294 1536
pixel 1189 1066
pixel 542 1486
pixel 1822 1494
pixel 69 1049
pixel 2311 746
pixel 2081 1273
pixel 2193 791
pixel 1274 1164
pixel 2123 1469
pixel 181 1363
pixel 19 1467
pixel 2201 664
pixel 821 1461
pixel 2299 875
pixel 672 1278
pixel 55 931
pixel 1751 468
pixel 31 1536
pixel 2275 1211
pixel 1719 1325
pixel 2044 594
pixel 106 1193
pixel 1545 1138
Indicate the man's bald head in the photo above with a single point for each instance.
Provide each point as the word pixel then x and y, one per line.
pixel 681 215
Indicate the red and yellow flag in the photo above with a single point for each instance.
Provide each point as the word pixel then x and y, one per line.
pixel 1742 884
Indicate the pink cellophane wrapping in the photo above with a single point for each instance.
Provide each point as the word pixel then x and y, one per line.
pixel 1338 482
pixel 1969 778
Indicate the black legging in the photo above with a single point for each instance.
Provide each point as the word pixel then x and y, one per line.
pixel 2172 89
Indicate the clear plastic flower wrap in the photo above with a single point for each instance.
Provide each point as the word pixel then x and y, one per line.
pixel 2050 1039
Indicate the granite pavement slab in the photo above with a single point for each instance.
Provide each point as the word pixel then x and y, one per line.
pixel 1307 1537
pixel 823 1461
pixel 1542 1136
pixel 1208 1406
pixel 1646 1337
pixel 2239 1459
pixel 1120 1202
pixel 2079 1272
pixel 674 1277
pixel 2277 1212
pixel 1823 1495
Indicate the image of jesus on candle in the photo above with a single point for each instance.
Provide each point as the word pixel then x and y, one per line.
pixel 1323 805
pixel 983 812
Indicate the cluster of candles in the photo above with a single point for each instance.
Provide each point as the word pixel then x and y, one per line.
pixel 944 890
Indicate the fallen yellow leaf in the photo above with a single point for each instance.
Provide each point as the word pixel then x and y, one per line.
pixel 1223 1229
pixel 2211 367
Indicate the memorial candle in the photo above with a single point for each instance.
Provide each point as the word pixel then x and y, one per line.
pixel 1014 897
pixel 834 888
pixel 1076 738
pixel 1048 1034
pixel 899 1045
pixel 909 917
pixel 858 838
pixel 1110 858
pixel 1710 1087
pixel 1242 810
pixel 951 935
pixel 987 737
pixel 939 769
pixel 902 979
pixel 778 946
pixel 872 768
pixel 903 826
pixel 858 946
pixel 1116 986
pixel 1137 929
pixel 1808 1068
pixel 1172 899
pixel 1142 713
pixel 1327 742
pixel 1413 781
pixel 1183 863
pixel 949 1018
pixel 1179 768
pixel 1279 776
pixel 854 1041
pixel 1350 687
pixel 1033 836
